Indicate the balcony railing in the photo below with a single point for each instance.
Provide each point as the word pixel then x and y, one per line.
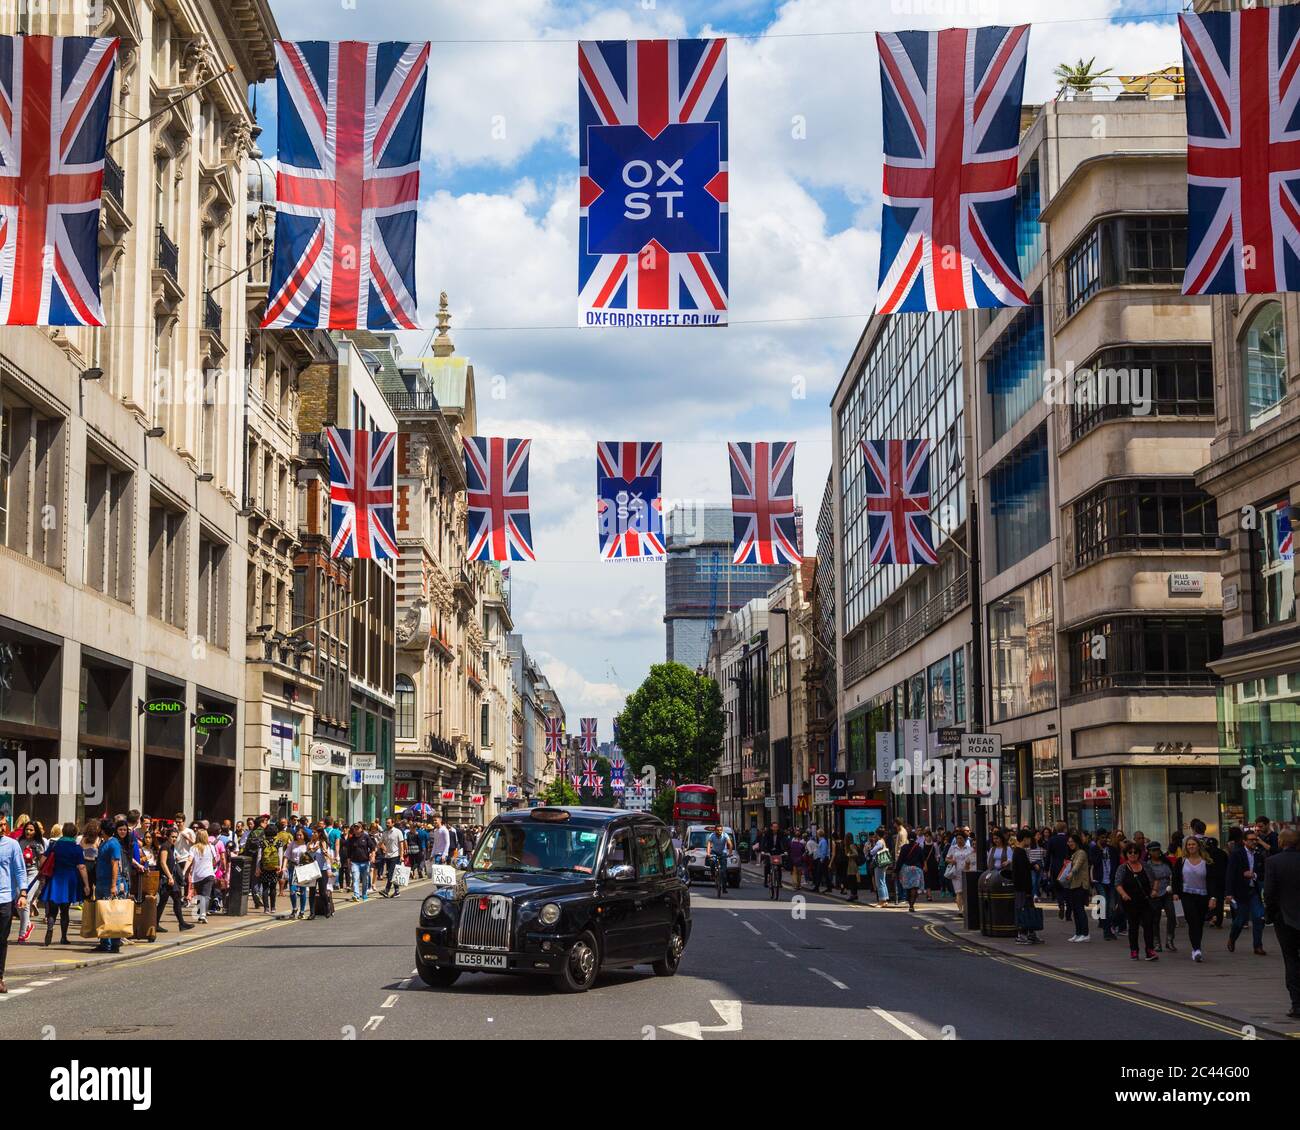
pixel 114 181
pixel 169 255
pixel 413 403
pixel 934 612
pixel 211 313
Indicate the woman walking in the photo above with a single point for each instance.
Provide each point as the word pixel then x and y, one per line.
pixel 961 860
pixel 171 882
pixel 910 875
pixel 1162 896
pixel 299 893
pixel 1133 886
pixel 1076 878
pixel 930 864
pixel 67 883
pixel 203 871
pixel 1193 881
pixel 839 867
pixel 796 859
pixel 852 859
pixel 31 841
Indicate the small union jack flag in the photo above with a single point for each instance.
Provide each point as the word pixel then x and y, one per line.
pixel 350 118
pixel 361 493
pixel 628 505
pixel 577 782
pixel 54 103
pixel 498 527
pixel 597 786
pixel 554 735
pixel 952 132
pixel 590 774
pixel 1285 537
pixel 588 735
pixel 898 501
pixel 764 526
pixel 653 198
pixel 1243 150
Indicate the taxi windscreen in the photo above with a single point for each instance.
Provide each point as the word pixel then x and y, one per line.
pixel 537 847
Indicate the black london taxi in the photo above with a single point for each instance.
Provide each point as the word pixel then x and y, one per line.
pixel 563 893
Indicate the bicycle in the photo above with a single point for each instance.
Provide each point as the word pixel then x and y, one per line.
pixel 719 867
pixel 774 882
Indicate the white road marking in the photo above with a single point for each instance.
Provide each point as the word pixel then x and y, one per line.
pixel 752 928
pixel 14 993
pixel 889 1018
pixel 837 984
pixel 36 984
pixel 373 1023
pixel 778 949
pixel 392 1000
pixel 833 925
pixel 728 1012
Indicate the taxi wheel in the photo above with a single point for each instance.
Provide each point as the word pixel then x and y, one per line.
pixel 581 967
pixel 667 965
pixel 437 978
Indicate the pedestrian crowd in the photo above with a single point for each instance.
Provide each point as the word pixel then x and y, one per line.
pixel 1131 886
pixel 188 865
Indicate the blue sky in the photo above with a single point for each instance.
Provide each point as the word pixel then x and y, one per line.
pixel 498 233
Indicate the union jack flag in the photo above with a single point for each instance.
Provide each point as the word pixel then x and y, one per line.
pixel 1243 151
pixel 554 735
pixel 588 735
pixel 951 137
pixel 577 782
pixel 898 501
pixel 361 493
pixel 350 117
pixel 597 787
pixel 590 774
pixel 1285 537
pixel 498 524
pixel 628 505
pixel 54 102
pixel 764 526
pixel 652 204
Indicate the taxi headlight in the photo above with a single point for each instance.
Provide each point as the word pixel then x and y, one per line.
pixel 549 915
pixel 431 907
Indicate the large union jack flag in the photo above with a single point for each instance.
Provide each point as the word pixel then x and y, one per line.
pixel 588 735
pixel 1243 151
pixel 765 529
pixel 497 522
pixel 652 151
pixel 54 102
pixel 350 118
pixel 361 493
pixel 554 736
pixel 952 128
pixel 898 501
pixel 628 505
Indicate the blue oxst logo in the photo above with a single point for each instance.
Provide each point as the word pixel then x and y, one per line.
pixel 654 188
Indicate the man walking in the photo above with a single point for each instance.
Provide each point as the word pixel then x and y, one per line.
pixel 13 894
pixel 1246 871
pixel 1281 904
pixel 393 843
pixel 440 841
pixel 360 849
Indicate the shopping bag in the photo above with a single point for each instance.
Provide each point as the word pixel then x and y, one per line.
pixel 307 873
pixel 88 919
pixel 114 918
pixel 442 875
pixel 144 920
pixel 149 882
pixel 401 875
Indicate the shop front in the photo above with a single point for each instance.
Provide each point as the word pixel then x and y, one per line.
pixel 329 778
pixel 1259 750
pixel 284 793
pixel 105 715
pixel 215 757
pixel 165 724
pixel 1155 800
pixel 30 678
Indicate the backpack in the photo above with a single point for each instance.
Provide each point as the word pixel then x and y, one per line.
pixel 270 853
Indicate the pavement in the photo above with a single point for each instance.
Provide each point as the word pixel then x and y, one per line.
pixel 1239 988
pixel 812 967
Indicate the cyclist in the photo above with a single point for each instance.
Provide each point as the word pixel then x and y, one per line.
pixel 716 849
pixel 774 846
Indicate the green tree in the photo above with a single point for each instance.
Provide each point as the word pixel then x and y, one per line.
pixel 674 722
pixel 662 805
pixel 560 792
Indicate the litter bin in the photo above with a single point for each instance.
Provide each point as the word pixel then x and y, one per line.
pixel 997 906
pixel 970 888
pixel 241 870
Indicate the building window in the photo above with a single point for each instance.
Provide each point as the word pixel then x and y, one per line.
pixel 1019 503
pixel 1178 380
pixel 1125 250
pixel 1263 363
pixel 1273 565
pixel 1135 514
pixel 1014 368
pixel 1022 650
pixel 167 564
pixel 108 529
pixel 1029 232
pixel 31 482
pixel 484 727
pixel 959 685
pixel 1145 651
pixel 404 696
pixel 214 592
pixel 939 676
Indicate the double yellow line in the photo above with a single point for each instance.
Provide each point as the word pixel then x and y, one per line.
pixel 939 935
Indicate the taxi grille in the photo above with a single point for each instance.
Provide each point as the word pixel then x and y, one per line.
pixel 486 929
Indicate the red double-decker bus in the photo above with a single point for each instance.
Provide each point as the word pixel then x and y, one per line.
pixel 695 804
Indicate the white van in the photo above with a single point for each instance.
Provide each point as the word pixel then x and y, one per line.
pixel 694 848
